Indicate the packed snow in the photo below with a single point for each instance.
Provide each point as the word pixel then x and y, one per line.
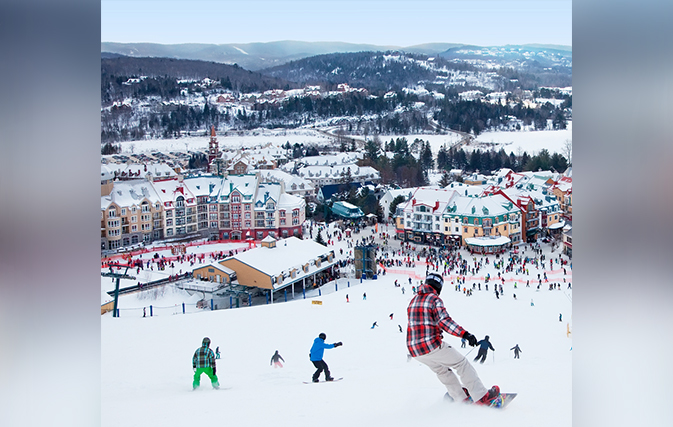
pixel 146 362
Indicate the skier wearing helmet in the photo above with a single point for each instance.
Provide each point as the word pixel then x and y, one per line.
pixel 203 362
pixel 316 353
pixel 427 319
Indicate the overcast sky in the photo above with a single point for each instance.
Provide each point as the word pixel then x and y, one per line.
pixel 380 22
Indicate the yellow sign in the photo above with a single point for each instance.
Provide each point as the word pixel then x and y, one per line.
pixel 316 302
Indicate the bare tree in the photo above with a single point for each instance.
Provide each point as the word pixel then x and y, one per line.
pixel 568 151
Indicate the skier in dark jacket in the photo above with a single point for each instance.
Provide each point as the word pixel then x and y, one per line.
pixel 275 360
pixel 516 351
pixel 484 345
pixel 428 318
pixel 203 362
pixel 316 354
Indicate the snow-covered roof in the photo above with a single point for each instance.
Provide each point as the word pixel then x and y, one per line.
pixel 244 184
pixel 170 190
pixel 289 201
pixel 267 191
pixel 130 193
pixel 201 185
pixel 289 253
pixel 492 205
pixel 487 241
pixel 557 225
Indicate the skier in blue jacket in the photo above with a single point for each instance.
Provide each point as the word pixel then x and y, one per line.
pixel 316 354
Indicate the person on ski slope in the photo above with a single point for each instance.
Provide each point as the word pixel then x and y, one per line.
pixel 203 362
pixel 275 360
pixel 316 354
pixel 427 319
pixel 516 351
pixel 484 345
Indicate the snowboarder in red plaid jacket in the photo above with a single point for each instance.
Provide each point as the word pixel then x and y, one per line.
pixel 427 319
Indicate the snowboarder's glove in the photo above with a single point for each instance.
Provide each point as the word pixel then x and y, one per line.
pixel 213 370
pixel 471 339
pixel 337 344
pixel 194 368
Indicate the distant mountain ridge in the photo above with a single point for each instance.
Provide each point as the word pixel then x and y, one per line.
pixel 256 56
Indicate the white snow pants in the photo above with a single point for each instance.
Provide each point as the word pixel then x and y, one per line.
pixel 443 361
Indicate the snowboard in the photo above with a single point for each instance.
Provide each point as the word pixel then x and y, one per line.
pixel 500 402
pixel 334 380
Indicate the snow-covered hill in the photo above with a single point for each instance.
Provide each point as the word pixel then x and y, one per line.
pixel 146 362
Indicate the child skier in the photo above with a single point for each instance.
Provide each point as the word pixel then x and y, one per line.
pixel 516 351
pixel 316 354
pixel 203 362
pixel 275 360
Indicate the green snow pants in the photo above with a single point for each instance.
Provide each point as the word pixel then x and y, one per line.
pixel 208 371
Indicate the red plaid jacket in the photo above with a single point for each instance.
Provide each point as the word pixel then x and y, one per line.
pixel 427 318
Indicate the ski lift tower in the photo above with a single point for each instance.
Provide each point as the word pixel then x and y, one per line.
pixel 365 261
pixel 118 276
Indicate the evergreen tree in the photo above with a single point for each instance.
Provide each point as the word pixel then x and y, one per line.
pixel 319 239
pixel 427 162
pixel 443 158
pixel 393 205
pixel 446 179
pixel 372 148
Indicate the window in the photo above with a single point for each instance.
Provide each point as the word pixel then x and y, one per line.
pixel 465 230
pixel 295 221
pixel 180 202
pixel 457 229
pixel 169 214
pixel 145 207
pixel 133 209
pixel 282 214
pixel 247 206
pixel 295 213
pixel 269 215
pixel 123 211
pixel 464 220
pixel 145 227
pixel 236 199
pixel 157 224
pixel 112 213
pixel 436 226
pixel 134 228
pixel 247 215
pixel 213 224
pixel 270 206
pixel 234 216
pixel 134 218
pixel 247 224
pixel 169 232
pixel 212 208
pixel 282 221
pixel 169 223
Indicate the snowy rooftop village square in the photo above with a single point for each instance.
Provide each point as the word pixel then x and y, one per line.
pixel 146 352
